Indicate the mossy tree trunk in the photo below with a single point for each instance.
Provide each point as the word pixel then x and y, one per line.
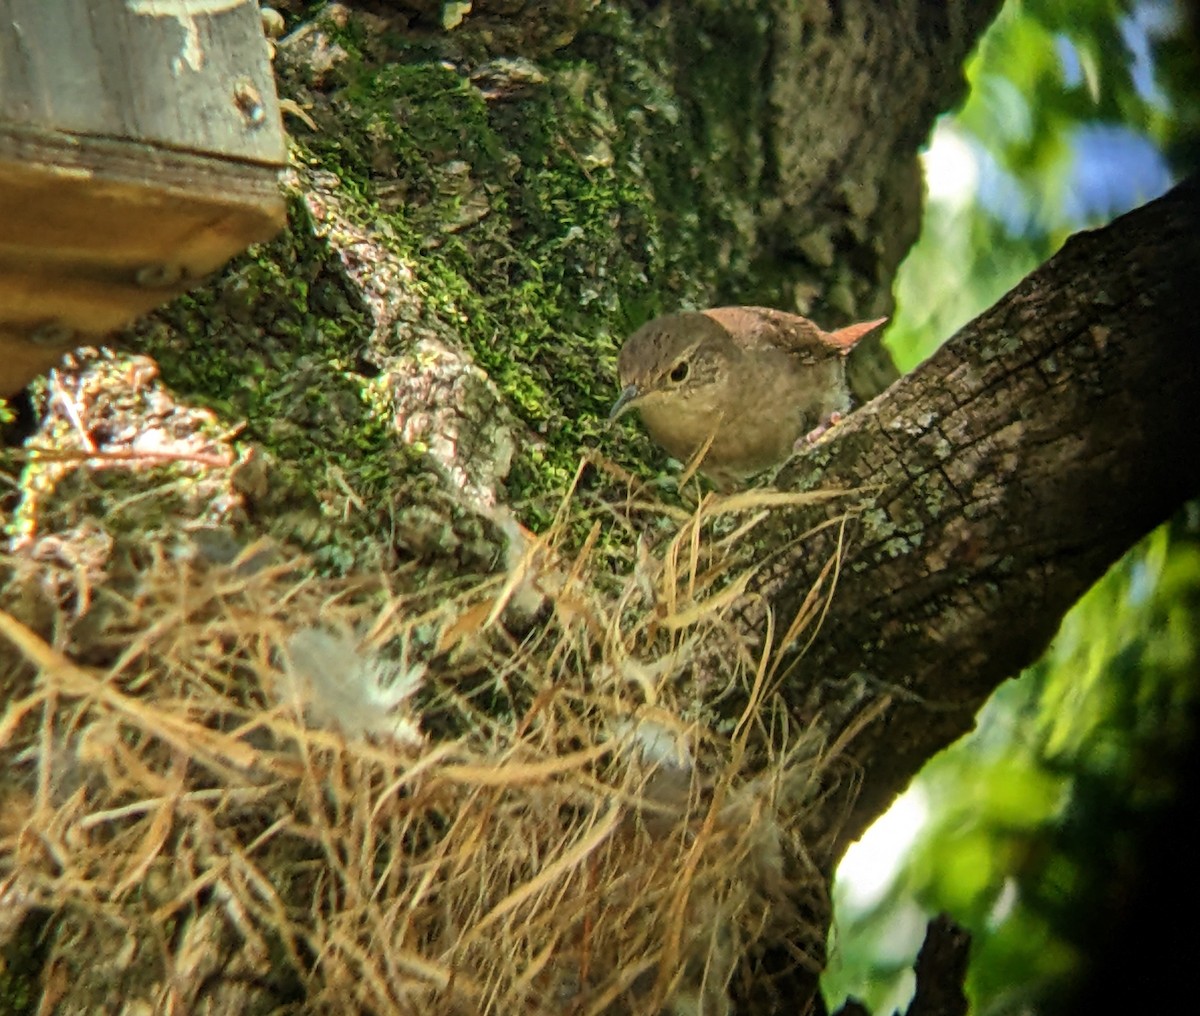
pixel 482 210
pixel 515 195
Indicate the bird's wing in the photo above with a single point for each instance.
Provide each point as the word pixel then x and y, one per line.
pixel 752 327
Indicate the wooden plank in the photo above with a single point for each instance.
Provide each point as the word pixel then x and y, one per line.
pixel 128 204
pixel 95 232
pixel 140 146
pixel 193 75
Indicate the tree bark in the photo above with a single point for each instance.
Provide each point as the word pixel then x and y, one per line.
pixel 999 480
pixel 483 214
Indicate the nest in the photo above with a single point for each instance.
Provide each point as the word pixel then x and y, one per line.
pixel 237 786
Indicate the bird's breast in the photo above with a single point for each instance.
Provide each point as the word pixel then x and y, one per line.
pixel 681 426
pixel 753 421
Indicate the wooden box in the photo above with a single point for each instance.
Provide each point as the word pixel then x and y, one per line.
pixel 140 149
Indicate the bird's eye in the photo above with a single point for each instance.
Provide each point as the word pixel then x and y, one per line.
pixel 679 371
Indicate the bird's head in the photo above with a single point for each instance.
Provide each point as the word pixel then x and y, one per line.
pixel 676 357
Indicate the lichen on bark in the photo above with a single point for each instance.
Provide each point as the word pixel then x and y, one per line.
pixel 480 214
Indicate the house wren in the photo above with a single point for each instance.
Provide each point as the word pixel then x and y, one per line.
pixel 754 381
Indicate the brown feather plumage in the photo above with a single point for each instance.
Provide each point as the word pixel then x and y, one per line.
pixel 749 382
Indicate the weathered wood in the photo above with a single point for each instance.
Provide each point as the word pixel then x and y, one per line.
pixel 140 145
pixel 188 74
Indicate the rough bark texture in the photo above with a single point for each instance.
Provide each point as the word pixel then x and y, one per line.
pixel 482 214
pixel 1002 478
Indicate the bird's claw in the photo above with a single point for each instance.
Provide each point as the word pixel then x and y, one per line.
pixel 818 431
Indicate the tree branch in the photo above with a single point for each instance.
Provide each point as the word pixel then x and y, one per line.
pixel 1007 473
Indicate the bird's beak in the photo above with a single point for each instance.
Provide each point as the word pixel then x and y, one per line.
pixel 629 395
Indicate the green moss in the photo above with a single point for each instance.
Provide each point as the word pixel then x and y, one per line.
pixel 543 286
pixel 539 230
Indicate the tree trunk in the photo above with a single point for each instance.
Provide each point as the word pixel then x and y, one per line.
pixel 486 199
pixel 998 481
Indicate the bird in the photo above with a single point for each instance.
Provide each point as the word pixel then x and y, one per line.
pixel 751 383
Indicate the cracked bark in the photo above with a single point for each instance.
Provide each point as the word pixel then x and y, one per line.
pixel 1005 475
pixel 1012 469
